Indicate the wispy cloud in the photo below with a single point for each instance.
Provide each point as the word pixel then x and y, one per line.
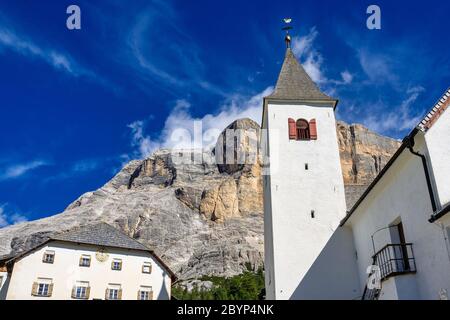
pixel 173 64
pixel 8 218
pixel 181 126
pixel 27 48
pixel 77 168
pixel 55 58
pixel 402 118
pixel 377 67
pixel 18 170
pixel 313 61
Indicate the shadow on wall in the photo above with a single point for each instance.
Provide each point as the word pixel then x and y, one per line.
pixel 4 288
pixel 334 274
pixel 163 293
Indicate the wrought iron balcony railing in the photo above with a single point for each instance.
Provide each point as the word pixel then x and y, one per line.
pixel 395 259
pixel 392 260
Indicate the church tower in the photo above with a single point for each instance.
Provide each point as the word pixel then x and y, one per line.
pixel 304 197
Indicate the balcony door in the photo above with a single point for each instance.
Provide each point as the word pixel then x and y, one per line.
pixel 401 252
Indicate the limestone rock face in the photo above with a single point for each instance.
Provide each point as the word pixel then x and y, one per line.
pixel 237 146
pixel 201 217
pixel 157 170
pixel 363 154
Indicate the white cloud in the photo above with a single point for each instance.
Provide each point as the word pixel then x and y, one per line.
pixel 18 170
pixel 172 67
pixel 143 143
pixel 312 60
pixel 377 67
pixel 403 118
pixel 3 220
pixel 347 77
pixel 182 130
pixel 85 165
pixel 7 219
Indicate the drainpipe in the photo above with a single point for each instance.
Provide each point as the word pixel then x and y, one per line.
pixel 409 140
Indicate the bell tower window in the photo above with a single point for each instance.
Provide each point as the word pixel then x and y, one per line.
pixel 302 129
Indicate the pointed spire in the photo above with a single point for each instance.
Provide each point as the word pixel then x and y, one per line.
pixel 295 84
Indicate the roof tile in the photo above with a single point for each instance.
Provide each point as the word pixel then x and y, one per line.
pixel 295 84
pixel 101 234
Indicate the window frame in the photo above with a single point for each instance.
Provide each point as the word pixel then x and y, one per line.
pixel 147 292
pixel 46 254
pixel 119 262
pixel 144 295
pixel 80 292
pixel 113 291
pixel 303 134
pixel 85 257
pixel 45 289
pixel 147 265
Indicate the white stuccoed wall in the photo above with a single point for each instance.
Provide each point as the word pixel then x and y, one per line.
pixel 438 143
pixel 402 193
pixel 295 240
pixel 65 271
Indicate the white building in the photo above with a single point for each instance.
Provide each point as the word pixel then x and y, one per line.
pixel 90 262
pixel 399 224
pixel 304 196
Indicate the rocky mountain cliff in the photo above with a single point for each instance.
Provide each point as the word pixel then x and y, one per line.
pixel 200 215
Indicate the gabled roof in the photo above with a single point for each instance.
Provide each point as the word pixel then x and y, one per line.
pixel 435 112
pixel 100 234
pixel 295 84
pixel 423 126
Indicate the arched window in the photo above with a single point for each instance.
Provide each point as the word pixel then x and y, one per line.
pixel 302 127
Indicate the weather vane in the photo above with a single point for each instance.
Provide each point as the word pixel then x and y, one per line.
pixel 287 27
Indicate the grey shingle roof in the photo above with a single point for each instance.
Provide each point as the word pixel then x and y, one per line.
pixel 6 257
pixel 101 234
pixel 295 84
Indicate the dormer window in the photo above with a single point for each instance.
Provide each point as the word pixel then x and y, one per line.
pixel 302 129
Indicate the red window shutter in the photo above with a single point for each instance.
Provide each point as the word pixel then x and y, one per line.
pixel 292 129
pixel 313 129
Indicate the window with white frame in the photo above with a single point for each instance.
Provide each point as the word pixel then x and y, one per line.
pixel 116 264
pixel 49 256
pixel 43 287
pixel 113 292
pixel 85 260
pixel 145 293
pixel 81 290
pixel 147 267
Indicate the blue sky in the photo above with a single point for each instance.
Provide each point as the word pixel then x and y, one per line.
pixel 76 105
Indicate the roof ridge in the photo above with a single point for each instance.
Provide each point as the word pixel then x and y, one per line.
pixel 294 83
pixel 435 111
pixel 100 233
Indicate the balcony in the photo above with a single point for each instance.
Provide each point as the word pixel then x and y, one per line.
pixel 395 259
pixel 392 260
